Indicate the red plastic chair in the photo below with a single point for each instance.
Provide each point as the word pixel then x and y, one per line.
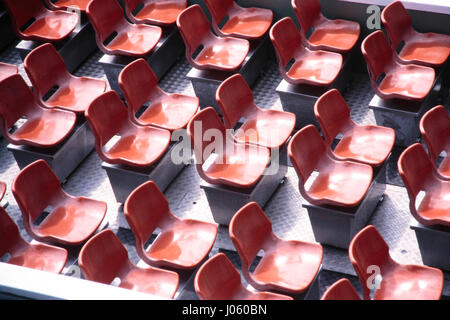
pixel 287 266
pixel 156 12
pixel 399 282
pixel 104 258
pixel 115 35
pixel 247 23
pixel 66 4
pixel 47 70
pixel 136 145
pixel 366 144
pixel 218 279
pixel 171 111
pixel 7 70
pixel 33 21
pixel 42 128
pixel 419 175
pixel 298 64
pixel 429 49
pixel 336 179
pixel 71 220
pixel 204 50
pixel 341 290
pixel 435 129
pixel 2 189
pixel 36 256
pixel 267 128
pixel 233 164
pixel 182 243
pixel 409 82
pixel 335 35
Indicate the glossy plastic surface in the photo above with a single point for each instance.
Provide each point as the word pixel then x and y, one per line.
pixel 341 290
pixel 68 4
pixel 156 12
pixel 7 70
pixel 2 189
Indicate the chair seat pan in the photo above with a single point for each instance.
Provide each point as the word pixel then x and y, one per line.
pixel 429 48
pixel 408 82
pixel 262 295
pixel 52 26
pixel 436 204
pixel 336 184
pixel 72 222
pixel 2 189
pixel 269 129
pixel 291 265
pixel 316 68
pixel 185 244
pixel 410 282
pixel 172 112
pixel 249 23
pixel 444 167
pixel 241 169
pixel 7 70
pixel 77 94
pixel 223 53
pixel 366 144
pixel 41 257
pixel 140 147
pixel 161 12
pixel 80 4
pixel 135 40
pixel 46 129
pixel 335 34
pixel 152 281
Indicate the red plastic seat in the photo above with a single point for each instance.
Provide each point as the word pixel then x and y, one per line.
pixel 247 23
pixel 429 194
pixel 36 256
pixel 399 282
pixel 430 49
pixel 341 290
pixel 104 258
pixel 212 52
pixel 2 189
pixel 298 64
pixel 182 243
pixel 335 35
pixel 47 70
pixel 368 144
pixel 7 70
pixel 66 4
pixel 170 111
pixel 136 145
pixel 287 266
pixel 42 127
pixel 435 129
pixel 236 165
pixel 409 82
pixel 267 128
pixel 115 35
pixel 336 179
pixel 33 21
pixel 70 220
pixel 218 279
pixel 156 12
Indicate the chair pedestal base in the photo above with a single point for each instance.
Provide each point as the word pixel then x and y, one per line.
pixel 224 201
pixel 300 99
pixel 6 30
pixel 63 158
pixel 160 59
pixel 336 226
pixel 74 50
pixel 434 244
pixel 124 179
pixel 206 82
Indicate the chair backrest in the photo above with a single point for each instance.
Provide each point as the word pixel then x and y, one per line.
pixel 217 279
pixel 286 40
pixel 145 209
pixel 333 114
pixel 377 53
pixel 35 188
pixel 138 84
pixel 44 67
pixel 105 16
pixel 396 21
pixel 341 290
pixel 435 129
pixel 9 233
pixel 131 5
pixel 106 116
pixel 102 257
pixel 218 9
pixel 307 11
pixel 249 228
pixel 22 12
pixel 305 150
pixel 235 99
